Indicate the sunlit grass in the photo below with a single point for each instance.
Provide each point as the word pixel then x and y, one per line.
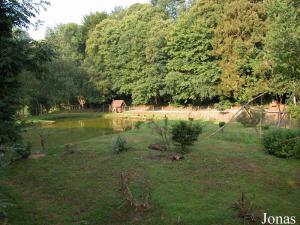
pixel 83 188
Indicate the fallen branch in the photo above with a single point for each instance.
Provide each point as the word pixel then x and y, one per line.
pixel 137 205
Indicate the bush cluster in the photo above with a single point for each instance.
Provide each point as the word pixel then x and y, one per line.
pixel 251 120
pixel 282 142
pixel 222 125
pixel 294 110
pixel 119 145
pixel 9 154
pixel 185 134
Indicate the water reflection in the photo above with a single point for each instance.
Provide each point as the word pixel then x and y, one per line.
pixel 65 131
pixel 81 123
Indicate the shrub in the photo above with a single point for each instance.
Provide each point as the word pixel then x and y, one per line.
pixel 119 145
pixel 294 110
pixel 185 134
pixel 138 124
pixel 250 119
pixel 282 143
pixel 23 151
pixel 3 206
pixel 265 127
pixel 221 125
pixel 9 154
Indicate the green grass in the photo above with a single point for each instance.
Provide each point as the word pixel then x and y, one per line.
pixel 83 188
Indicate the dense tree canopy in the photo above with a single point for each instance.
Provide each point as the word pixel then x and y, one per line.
pixel 126 56
pixel 192 69
pixel 168 51
pixel 283 46
pixel 238 42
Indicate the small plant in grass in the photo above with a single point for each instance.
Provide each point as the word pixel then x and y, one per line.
pixel 247 210
pixel 282 142
pixel 138 124
pixel 43 137
pixel 119 145
pixel 222 126
pixel 162 130
pixel 185 134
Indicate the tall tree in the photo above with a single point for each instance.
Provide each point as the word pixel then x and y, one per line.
pixel 91 20
pixel 13 58
pixel 126 55
pixel 238 42
pixel 65 77
pixel 68 40
pixel 283 46
pixel 192 69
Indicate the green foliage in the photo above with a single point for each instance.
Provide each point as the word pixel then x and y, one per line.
pixel 294 110
pixel 265 127
pixel 192 69
pixel 15 55
pixel 210 49
pixel 14 152
pixel 90 21
pixel 171 7
pixel 283 46
pixel 162 130
pixel 250 118
pixel 138 124
pixel 119 145
pixel 170 51
pixel 59 82
pixel 223 104
pixel 222 125
pixel 22 150
pixel 125 56
pixel 68 41
pixel 3 208
pixel 238 43
pixel 185 134
pixel 214 159
pixel 282 143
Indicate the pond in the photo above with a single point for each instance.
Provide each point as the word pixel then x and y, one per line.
pixel 64 131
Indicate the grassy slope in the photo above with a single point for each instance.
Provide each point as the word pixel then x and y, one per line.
pixel 83 188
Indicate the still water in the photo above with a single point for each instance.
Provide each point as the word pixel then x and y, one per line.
pixel 64 131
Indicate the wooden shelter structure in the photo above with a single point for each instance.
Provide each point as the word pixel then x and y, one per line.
pixel 118 106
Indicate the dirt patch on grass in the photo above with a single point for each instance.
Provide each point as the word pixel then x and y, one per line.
pixel 242 165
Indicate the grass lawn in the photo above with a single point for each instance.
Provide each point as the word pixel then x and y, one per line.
pixel 83 188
